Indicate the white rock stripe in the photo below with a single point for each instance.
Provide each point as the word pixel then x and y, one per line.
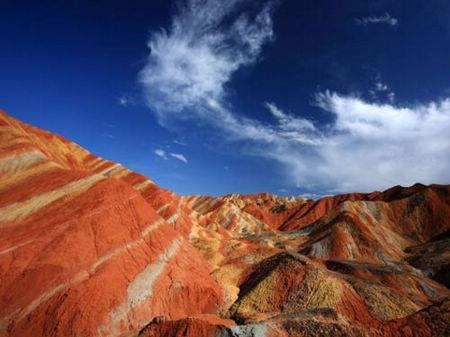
pixel 10 249
pixel 128 246
pixel 66 223
pixel 82 275
pixel 23 209
pixel 138 292
pixel 174 217
pixel 141 186
pixel 16 162
pixel 9 180
pixel 163 207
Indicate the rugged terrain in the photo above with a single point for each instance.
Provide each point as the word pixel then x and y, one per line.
pixel 90 248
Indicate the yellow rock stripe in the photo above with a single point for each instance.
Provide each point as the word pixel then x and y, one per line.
pixel 23 209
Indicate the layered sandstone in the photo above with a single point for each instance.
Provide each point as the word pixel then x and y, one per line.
pixel 90 248
pixel 84 248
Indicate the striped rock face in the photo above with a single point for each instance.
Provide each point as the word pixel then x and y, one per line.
pixel 85 249
pixel 90 248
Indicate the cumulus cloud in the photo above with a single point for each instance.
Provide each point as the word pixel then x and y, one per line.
pixel 374 145
pixel 369 146
pixel 366 146
pixel 179 156
pixel 382 19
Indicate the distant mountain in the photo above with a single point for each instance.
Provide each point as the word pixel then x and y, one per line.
pixel 90 248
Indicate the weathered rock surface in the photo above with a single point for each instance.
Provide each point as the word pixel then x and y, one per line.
pixel 83 248
pixel 90 248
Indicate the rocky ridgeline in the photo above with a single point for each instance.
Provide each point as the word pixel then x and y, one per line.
pixel 90 248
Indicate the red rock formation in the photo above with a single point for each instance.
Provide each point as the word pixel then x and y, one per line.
pixel 90 248
pixel 82 251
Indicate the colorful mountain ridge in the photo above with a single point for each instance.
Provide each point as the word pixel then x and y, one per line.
pixel 90 248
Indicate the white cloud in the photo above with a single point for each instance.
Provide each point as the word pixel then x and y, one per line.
pixel 313 196
pixel 381 86
pixel 382 19
pixel 286 122
pixel 126 100
pixel 123 101
pixel 369 145
pixel 179 156
pixel 190 64
pixel 381 91
pixel 391 96
pixel 175 141
pixel 160 153
pixel 378 145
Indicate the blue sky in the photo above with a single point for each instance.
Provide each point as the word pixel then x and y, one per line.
pixel 212 97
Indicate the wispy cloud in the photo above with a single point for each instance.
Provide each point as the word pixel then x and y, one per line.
pixel 369 145
pixel 126 100
pixel 381 91
pixel 382 19
pixel 180 157
pixel 313 196
pixel 164 155
pixel 190 63
pixel 287 122
pixel 160 153
pixel 175 141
